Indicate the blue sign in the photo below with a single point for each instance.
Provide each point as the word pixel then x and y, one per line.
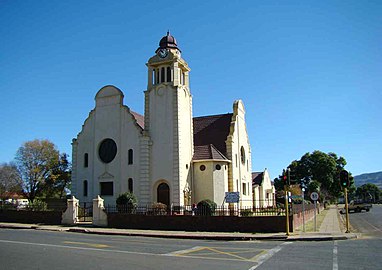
pixel 232 197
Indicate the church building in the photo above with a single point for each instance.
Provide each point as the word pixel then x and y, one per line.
pixel 165 155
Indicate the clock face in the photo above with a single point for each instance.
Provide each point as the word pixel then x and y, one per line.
pixel 162 53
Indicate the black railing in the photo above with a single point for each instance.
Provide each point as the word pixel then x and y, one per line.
pixel 201 211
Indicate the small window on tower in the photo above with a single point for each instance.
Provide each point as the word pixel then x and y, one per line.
pixel 153 76
pixel 157 76
pixel 162 75
pixel 169 74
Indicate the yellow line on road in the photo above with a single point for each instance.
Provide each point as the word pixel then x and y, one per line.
pixel 86 244
pixel 227 253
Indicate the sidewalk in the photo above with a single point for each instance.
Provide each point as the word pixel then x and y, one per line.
pixel 329 231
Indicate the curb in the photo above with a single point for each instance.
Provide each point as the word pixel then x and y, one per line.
pixel 187 236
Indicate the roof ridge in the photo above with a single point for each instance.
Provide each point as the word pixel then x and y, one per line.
pixel 204 116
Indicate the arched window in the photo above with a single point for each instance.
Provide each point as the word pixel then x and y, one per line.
pixel 153 76
pixel 86 160
pixel 130 156
pixel 130 185
pixel 168 74
pixel 157 77
pixel 85 188
pixel 162 75
pixel 242 155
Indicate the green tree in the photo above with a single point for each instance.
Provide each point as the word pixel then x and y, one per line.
pixel 319 172
pixel 36 161
pixel 59 180
pixel 368 192
pixel 10 180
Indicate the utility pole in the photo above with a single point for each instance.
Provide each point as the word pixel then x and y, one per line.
pixel 286 183
pixel 344 181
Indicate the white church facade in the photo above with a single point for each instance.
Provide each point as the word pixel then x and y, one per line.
pixel 165 155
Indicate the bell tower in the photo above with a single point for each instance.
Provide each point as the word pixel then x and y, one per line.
pixel 168 123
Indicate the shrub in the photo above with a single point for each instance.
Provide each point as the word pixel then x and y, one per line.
pixel 206 208
pixel 126 202
pixel 38 205
pixel 158 209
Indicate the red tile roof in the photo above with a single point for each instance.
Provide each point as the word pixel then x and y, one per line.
pixel 210 134
pixel 257 178
pixel 139 118
pixel 213 129
pixel 203 152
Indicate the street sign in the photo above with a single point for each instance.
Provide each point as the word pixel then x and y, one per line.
pixel 314 196
pixel 232 197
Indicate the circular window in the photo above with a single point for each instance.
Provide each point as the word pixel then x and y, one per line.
pixel 242 155
pixel 218 167
pixel 202 167
pixel 107 150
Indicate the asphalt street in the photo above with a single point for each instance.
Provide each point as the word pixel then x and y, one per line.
pixel 369 224
pixel 31 249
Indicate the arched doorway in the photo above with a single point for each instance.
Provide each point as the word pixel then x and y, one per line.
pixel 163 194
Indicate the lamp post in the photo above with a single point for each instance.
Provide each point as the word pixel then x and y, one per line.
pixel 303 209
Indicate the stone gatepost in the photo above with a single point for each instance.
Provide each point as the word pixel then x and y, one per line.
pixel 70 216
pixel 99 214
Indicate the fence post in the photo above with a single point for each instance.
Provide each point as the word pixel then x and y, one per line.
pixel 99 214
pixel 70 216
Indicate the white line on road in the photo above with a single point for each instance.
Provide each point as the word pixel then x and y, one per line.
pixel 81 248
pixel 263 258
pixel 335 256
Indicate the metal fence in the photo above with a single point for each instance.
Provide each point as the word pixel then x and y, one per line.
pixel 201 211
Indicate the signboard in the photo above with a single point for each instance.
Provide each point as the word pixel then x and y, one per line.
pixel 232 197
pixel 314 196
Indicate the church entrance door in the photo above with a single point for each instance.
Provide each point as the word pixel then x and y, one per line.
pixel 163 194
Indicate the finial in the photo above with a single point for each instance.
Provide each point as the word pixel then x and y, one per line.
pixel 168 32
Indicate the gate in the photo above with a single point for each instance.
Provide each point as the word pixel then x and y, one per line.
pixel 85 212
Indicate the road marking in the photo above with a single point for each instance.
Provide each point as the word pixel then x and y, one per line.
pixel 226 253
pixel 184 251
pixel 335 256
pixel 113 250
pixel 376 228
pixel 79 248
pixel 266 255
pixel 87 244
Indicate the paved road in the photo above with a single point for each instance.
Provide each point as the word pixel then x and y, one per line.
pixel 369 224
pixel 31 249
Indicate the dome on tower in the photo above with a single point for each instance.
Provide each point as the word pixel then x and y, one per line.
pixel 168 42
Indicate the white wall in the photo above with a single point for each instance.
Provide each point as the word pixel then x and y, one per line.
pixel 109 119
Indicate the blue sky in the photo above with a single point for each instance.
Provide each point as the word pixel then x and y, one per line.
pixel 308 72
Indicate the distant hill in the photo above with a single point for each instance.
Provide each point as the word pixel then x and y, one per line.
pixel 372 178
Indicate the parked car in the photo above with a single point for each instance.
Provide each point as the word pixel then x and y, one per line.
pixel 357 206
